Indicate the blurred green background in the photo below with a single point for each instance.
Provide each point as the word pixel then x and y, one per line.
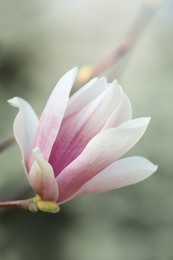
pixel 39 41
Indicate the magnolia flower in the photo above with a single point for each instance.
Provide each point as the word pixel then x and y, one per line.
pixel 75 146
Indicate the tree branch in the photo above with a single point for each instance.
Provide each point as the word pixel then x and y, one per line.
pixel 145 14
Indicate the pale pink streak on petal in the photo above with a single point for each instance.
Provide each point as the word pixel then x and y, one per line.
pixel 86 94
pixel 121 173
pixel 42 179
pixel 25 127
pixel 53 113
pixel 121 114
pixel 77 130
pixel 101 151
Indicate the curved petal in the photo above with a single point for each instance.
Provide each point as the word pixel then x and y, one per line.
pixel 42 179
pixel 53 113
pixel 121 173
pixel 25 127
pixel 101 151
pixel 86 94
pixel 69 145
pixel 121 114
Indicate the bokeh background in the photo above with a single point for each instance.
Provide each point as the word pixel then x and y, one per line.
pixel 39 41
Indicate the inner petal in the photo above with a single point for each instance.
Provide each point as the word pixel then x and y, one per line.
pixel 78 129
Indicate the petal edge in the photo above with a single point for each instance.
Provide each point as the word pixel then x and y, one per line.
pixel 122 173
pixel 24 127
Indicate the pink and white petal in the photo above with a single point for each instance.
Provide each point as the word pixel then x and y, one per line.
pixel 121 173
pixel 53 113
pixel 105 148
pixel 24 127
pixel 81 128
pixel 121 114
pixel 86 94
pixel 42 179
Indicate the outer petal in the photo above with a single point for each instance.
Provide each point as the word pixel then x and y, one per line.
pixel 101 151
pixel 53 113
pixel 77 130
pixel 25 127
pixel 86 94
pixel 42 179
pixel 121 173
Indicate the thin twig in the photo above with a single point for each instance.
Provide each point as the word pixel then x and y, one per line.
pixel 146 12
pixel 27 204
pixel 24 204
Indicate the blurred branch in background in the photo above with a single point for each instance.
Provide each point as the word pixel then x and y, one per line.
pixel 6 144
pixel 148 9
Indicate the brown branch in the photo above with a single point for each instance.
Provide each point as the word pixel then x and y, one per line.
pixel 112 57
pixel 24 204
pixel 146 12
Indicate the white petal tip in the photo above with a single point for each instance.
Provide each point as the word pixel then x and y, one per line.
pixel 68 77
pixel 144 120
pixel 36 150
pixel 115 82
pixel 17 102
pixel 147 119
pixel 73 71
pixel 145 164
pixel 154 168
pixel 13 101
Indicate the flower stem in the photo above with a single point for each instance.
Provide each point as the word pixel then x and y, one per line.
pixel 27 204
